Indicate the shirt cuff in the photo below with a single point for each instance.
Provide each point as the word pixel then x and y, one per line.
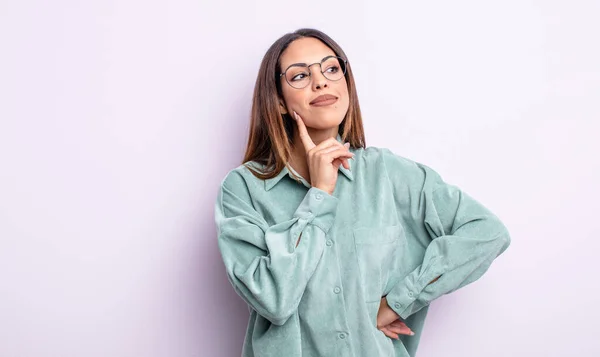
pixel 319 208
pixel 404 298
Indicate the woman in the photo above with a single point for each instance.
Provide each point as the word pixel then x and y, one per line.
pixel 338 249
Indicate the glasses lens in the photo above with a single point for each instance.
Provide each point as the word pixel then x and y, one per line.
pixel 298 76
pixel 333 68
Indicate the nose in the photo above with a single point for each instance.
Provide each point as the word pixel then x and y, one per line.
pixel 318 79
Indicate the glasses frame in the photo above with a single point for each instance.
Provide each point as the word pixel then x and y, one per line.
pixel 342 60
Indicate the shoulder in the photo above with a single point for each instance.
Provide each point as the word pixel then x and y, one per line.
pixel 241 181
pixel 240 175
pixel 398 166
pixel 390 159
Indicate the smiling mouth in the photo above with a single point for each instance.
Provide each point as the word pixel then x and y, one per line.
pixel 325 102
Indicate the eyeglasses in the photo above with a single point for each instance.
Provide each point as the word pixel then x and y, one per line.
pixel 299 75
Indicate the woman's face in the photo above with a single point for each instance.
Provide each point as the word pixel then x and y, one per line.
pixel 323 115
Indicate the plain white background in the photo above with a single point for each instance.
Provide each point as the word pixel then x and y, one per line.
pixel 120 118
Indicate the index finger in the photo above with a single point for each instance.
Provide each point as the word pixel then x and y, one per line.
pixel 303 133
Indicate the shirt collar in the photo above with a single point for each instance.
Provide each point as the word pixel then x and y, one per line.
pixel 269 183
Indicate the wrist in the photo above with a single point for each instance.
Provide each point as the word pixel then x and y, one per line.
pixel 328 191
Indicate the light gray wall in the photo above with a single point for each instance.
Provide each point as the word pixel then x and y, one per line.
pixel 118 120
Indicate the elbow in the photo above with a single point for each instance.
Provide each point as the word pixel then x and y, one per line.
pixel 266 299
pixel 278 317
pixel 505 243
pixel 279 320
pixel 275 308
pixel 503 239
pixel 498 240
pixel 278 309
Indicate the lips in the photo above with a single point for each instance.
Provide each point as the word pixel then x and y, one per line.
pixel 324 99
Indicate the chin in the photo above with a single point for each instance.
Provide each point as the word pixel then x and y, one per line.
pixel 324 122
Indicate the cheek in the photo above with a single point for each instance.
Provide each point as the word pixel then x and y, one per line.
pixel 294 99
pixel 344 94
pixel 344 103
pixel 288 93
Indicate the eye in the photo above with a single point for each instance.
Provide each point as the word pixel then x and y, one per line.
pixel 299 76
pixel 333 69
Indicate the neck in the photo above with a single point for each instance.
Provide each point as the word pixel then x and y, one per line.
pixel 298 156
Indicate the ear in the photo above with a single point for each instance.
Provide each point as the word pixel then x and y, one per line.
pixel 282 107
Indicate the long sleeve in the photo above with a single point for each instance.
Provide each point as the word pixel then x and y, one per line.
pixel 262 262
pixel 465 237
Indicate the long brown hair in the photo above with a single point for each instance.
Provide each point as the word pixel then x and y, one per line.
pixel 271 133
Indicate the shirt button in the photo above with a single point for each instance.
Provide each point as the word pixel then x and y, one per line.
pixel 319 196
pixel 329 242
pixel 397 305
pixel 410 293
pixel 337 290
pixel 342 336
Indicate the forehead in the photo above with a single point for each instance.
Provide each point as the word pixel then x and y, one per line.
pixel 305 50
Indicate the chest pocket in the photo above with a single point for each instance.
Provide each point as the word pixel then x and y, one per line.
pixel 377 248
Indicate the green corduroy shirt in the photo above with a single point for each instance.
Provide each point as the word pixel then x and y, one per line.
pixel 391 226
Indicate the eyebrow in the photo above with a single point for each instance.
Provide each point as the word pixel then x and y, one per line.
pixel 306 64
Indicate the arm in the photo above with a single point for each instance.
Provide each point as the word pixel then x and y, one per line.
pixel 465 237
pixel 270 266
